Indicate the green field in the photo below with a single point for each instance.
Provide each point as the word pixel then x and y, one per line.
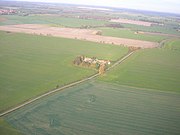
pixel 96 108
pixel 6 129
pixel 55 20
pixel 149 68
pixel 162 29
pixel 173 45
pixel 32 65
pixel 76 22
pixel 140 96
pixel 126 33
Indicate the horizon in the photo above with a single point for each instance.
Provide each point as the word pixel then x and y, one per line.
pixel 165 6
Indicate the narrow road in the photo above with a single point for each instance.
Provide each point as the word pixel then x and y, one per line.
pixel 64 87
pixel 121 60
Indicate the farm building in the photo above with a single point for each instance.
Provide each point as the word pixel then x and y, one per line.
pixel 94 61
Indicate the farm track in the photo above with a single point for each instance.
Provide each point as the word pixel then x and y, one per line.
pixel 64 87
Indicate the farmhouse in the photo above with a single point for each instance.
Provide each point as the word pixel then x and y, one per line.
pixel 96 61
pixel 89 60
pixel 92 62
pixel 104 62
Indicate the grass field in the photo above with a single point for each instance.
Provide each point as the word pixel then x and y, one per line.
pixel 125 33
pixel 53 20
pixel 32 65
pixel 101 109
pixel 154 68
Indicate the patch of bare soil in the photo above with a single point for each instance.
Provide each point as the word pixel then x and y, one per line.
pixel 81 34
pixel 2 19
pixel 142 23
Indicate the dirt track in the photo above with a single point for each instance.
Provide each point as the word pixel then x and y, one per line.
pixel 82 34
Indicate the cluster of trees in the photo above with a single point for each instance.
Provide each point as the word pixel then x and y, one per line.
pixel 102 69
pixel 152 21
pixel 78 60
pixel 132 48
pixel 86 26
pixel 111 25
pixel 115 25
pixel 99 33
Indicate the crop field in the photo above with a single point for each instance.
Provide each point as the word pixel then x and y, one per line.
pixel 76 69
pixel 39 19
pixel 99 108
pixel 154 28
pixel 32 65
pixel 6 129
pixel 149 68
pixel 173 45
pixel 74 33
pixel 127 33
pixel 76 22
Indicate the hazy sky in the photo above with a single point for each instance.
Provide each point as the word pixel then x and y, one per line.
pixel 172 6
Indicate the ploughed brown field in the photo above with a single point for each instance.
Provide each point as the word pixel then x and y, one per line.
pixel 2 19
pixel 74 33
pixel 142 23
